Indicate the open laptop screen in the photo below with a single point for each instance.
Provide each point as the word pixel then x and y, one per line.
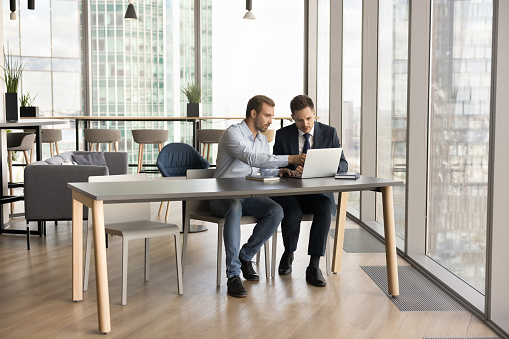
pixel 321 162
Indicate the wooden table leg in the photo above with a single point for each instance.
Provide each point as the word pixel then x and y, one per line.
pixel 390 241
pixel 77 250
pixel 340 232
pixel 101 267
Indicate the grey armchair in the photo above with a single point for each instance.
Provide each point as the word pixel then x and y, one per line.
pixel 47 197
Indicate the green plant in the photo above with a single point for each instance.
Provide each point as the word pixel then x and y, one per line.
pixel 192 92
pixel 12 73
pixel 26 100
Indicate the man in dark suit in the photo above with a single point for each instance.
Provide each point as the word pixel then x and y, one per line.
pixel 297 138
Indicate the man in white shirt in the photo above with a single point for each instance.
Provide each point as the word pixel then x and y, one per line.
pixel 244 151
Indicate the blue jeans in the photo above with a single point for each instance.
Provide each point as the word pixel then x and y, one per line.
pixel 266 210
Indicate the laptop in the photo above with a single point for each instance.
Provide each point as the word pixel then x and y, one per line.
pixel 321 162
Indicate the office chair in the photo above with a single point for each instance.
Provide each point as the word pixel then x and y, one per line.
pixel 174 160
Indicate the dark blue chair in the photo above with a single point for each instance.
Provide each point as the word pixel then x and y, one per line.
pixel 174 160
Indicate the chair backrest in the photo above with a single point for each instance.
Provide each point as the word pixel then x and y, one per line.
pixel 115 213
pixel 199 205
pixel 269 133
pixel 20 141
pixel 209 135
pixel 176 158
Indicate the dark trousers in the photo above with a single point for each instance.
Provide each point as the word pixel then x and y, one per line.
pixel 296 205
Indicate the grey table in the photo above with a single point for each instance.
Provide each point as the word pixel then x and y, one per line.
pixel 94 195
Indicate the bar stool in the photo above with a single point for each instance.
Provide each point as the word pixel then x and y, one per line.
pixel 148 136
pixel 20 141
pixel 207 137
pixel 269 133
pixel 51 137
pixel 103 136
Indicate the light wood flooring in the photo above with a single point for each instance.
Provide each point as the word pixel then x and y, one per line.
pixel 35 296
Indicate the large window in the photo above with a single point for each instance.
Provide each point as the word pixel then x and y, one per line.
pixel 47 42
pixel 459 137
pixel 261 56
pixel 352 78
pixel 139 67
pixel 392 102
pixel 323 64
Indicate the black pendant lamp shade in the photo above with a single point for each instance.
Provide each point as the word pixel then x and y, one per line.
pixel 249 6
pixel 12 7
pixel 130 14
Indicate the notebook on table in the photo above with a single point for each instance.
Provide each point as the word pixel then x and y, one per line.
pixel 321 162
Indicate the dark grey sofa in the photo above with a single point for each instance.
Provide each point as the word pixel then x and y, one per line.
pixel 47 196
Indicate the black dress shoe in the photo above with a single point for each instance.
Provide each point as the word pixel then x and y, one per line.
pixel 314 277
pixel 248 271
pixel 285 265
pixel 236 288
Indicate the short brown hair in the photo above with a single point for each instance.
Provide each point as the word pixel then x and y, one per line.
pixel 300 102
pixel 256 103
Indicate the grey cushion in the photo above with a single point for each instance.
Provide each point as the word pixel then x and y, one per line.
pixel 96 159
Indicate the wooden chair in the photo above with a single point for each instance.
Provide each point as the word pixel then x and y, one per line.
pixel 132 222
pixel 269 134
pixel 102 136
pixel 328 261
pixel 148 136
pixel 52 137
pixel 18 141
pixel 207 137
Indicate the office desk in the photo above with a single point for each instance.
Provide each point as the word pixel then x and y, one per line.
pixel 94 195
pixel 34 124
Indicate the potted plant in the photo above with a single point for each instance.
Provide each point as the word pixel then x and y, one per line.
pixel 194 96
pixel 12 75
pixel 27 109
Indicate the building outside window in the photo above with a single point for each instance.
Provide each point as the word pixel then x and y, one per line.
pixel 352 79
pixel 392 103
pixel 459 111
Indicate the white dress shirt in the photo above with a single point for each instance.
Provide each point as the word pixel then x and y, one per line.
pixel 302 139
pixel 240 153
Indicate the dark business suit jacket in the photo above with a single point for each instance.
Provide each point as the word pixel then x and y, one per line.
pixel 287 142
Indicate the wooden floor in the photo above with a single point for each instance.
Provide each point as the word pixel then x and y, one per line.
pixel 35 296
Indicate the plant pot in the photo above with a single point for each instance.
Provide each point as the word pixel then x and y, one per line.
pixel 11 107
pixel 193 109
pixel 29 112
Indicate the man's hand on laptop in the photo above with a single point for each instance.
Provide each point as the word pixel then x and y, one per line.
pixel 297 160
pixel 289 173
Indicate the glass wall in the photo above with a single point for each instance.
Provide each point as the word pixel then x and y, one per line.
pixel 139 66
pixel 459 111
pixel 392 103
pixel 352 79
pixel 47 42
